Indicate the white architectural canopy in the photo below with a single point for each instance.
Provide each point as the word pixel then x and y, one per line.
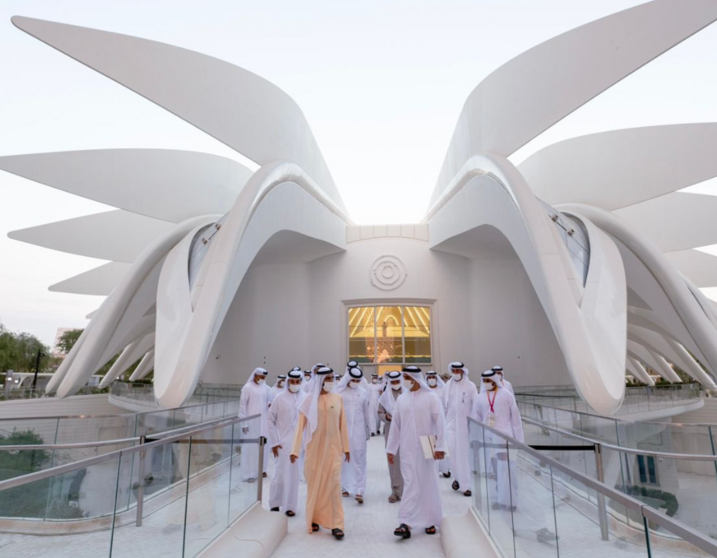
pixel 596 223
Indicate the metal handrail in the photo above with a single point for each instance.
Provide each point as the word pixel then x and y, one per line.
pixel 115 416
pixel 166 438
pixel 691 536
pixel 615 419
pixel 636 451
pixel 69 445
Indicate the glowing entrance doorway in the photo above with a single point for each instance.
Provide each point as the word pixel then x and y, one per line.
pixel 389 336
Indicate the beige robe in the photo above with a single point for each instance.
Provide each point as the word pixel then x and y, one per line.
pixel 324 456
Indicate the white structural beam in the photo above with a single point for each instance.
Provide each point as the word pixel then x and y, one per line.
pixel 650 359
pixel 693 367
pixel 677 221
pixel 538 88
pixel 698 267
pixel 99 281
pixel 165 184
pixel 118 236
pixel 239 108
pixel 132 353
pixel 616 169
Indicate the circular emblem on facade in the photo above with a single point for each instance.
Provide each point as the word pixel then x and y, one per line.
pixel 387 273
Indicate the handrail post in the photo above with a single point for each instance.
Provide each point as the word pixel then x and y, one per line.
pixel 260 472
pixel 140 487
pixel 602 510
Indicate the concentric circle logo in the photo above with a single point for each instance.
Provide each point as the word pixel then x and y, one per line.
pixel 387 273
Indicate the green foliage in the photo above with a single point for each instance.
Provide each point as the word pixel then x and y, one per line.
pixel 68 340
pixel 13 464
pixel 18 351
pixel 670 500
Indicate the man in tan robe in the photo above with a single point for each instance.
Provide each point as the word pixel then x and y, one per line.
pixel 322 428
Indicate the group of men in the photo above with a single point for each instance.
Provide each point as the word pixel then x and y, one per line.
pixel 324 420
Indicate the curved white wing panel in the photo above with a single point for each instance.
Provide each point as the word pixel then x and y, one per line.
pixel 677 221
pixel 118 236
pixel 129 356
pixel 99 281
pixel 278 197
pixel 490 191
pixel 103 328
pixel 166 184
pixel 237 107
pixel 698 267
pixel 639 371
pixel 619 168
pixel 538 88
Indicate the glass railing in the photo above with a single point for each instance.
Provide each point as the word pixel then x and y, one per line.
pixel 638 399
pixel 73 438
pixel 532 504
pixel 170 496
pixel 680 485
pixel 204 393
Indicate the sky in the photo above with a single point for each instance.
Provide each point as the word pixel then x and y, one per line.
pixel 381 84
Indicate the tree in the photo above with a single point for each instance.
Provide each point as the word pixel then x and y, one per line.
pixel 18 351
pixel 68 339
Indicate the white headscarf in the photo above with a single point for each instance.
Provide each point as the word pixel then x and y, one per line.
pixel 293 375
pixel 310 405
pixel 457 366
pixel 439 380
pixel 259 370
pixel 387 400
pixel 279 378
pixel 491 375
pixel 415 373
pixel 351 374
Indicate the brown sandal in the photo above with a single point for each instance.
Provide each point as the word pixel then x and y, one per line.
pixel 431 530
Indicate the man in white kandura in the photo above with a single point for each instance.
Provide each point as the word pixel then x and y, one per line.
pixel 458 396
pixel 386 406
pixel 505 383
pixel 278 387
pixel 356 407
pixel 437 385
pixel 374 392
pixel 418 414
pixel 497 408
pixel 282 421
pixel 254 400
pixel 312 375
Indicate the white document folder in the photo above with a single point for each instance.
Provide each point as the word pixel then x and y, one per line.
pixel 428 443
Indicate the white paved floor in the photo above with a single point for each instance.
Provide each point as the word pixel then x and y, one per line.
pixel 369 527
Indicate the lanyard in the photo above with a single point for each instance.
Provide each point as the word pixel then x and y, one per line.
pixel 492 403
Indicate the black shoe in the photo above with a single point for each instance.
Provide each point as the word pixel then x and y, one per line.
pixel 455 485
pixel 289 513
pixel 338 534
pixel 403 531
pixel 274 509
pixel 264 475
pixel 446 475
pixel 431 530
pixel 314 527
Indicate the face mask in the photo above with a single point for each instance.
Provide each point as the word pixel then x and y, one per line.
pixel 293 388
pixel 457 377
pixel 260 381
pixel 352 385
pixel 396 386
pixel 432 382
pixel 329 386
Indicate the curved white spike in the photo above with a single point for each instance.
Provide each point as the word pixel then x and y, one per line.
pixel 132 353
pixel 651 359
pixel 99 281
pixel 698 267
pixel 693 368
pixel 165 184
pixel 677 221
pixel 657 344
pixel 239 108
pixel 639 371
pixel 616 169
pixel 144 367
pixel 538 88
pixel 118 236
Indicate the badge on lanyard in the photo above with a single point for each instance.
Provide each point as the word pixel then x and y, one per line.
pixel 491 415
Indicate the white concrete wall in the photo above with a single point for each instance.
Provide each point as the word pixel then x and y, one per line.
pixel 484 312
